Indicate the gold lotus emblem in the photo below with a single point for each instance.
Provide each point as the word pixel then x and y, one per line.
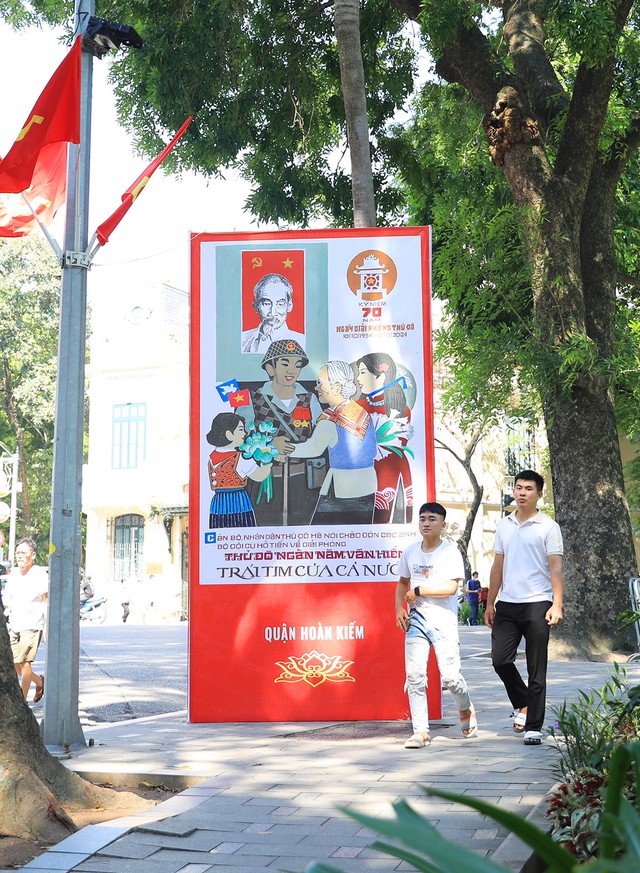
pixel 315 668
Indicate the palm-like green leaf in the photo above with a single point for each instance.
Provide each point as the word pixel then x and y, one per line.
pixel 419 862
pixel 410 829
pixel 557 858
pixel 630 818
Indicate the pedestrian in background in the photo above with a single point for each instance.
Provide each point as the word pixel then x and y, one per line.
pixel 25 598
pixel 472 590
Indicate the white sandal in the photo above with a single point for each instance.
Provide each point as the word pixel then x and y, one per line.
pixel 469 723
pixel 519 721
pixel 533 738
pixel 417 741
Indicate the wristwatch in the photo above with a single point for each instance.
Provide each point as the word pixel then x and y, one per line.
pixel 416 591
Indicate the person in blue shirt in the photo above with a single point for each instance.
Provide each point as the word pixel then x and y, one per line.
pixel 472 589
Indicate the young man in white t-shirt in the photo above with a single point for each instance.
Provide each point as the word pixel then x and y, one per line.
pixel 430 571
pixel 527 573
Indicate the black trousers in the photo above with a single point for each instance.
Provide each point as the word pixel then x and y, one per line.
pixel 512 622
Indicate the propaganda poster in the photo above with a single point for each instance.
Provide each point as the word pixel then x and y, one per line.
pixel 311 451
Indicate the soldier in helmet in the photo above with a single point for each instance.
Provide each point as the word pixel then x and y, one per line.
pixel 293 410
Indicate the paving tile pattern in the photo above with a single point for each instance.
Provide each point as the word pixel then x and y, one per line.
pixel 273 796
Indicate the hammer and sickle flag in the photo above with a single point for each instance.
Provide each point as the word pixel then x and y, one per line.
pixel 46 194
pixel 53 122
pixel 107 227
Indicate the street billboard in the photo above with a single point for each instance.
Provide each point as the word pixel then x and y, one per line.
pixel 311 437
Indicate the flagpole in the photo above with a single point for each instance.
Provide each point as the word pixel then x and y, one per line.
pixel 52 242
pixel 61 728
pixel 92 248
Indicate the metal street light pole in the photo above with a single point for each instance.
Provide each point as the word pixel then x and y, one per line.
pixel 61 724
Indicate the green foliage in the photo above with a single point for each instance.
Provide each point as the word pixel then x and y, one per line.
pixel 575 812
pixel 487 341
pixel 17 13
pixel 490 341
pixel 262 81
pixel 589 29
pixel 593 814
pixel 587 729
pixel 588 734
pixel 441 19
pixel 464 613
pixel 29 304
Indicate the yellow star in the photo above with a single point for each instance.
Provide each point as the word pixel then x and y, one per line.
pixel 288 264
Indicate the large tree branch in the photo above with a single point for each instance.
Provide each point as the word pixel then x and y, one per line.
pixel 624 279
pixel 410 8
pixel 524 35
pixel 587 111
pixel 469 60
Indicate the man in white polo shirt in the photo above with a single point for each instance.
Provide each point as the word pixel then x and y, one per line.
pixel 527 573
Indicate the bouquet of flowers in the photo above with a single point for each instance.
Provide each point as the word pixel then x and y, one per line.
pixel 258 445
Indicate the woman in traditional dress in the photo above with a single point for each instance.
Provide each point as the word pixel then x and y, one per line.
pixel 228 473
pixel 391 415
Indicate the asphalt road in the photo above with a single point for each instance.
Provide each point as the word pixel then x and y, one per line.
pixel 129 671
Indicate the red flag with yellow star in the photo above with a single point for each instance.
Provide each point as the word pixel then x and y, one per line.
pixel 55 118
pixel 46 194
pixel 107 227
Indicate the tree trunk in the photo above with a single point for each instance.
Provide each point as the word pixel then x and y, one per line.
pixel 592 512
pixel 566 188
pixel 347 30
pixel 35 786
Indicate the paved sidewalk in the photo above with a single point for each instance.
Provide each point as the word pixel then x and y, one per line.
pixel 270 792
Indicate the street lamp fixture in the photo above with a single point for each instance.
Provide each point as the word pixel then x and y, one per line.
pixel 102 35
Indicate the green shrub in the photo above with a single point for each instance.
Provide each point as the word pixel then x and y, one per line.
pixel 464 612
pixel 587 729
pixel 587 732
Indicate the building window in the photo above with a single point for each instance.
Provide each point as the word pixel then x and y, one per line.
pixel 129 435
pixel 128 539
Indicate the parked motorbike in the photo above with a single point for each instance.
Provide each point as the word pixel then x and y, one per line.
pixel 94 610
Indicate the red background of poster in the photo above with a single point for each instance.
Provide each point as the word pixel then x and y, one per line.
pixel 233 676
pixel 260 263
pixel 232 667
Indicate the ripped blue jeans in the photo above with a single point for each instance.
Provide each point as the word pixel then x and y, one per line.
pixel 418 641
